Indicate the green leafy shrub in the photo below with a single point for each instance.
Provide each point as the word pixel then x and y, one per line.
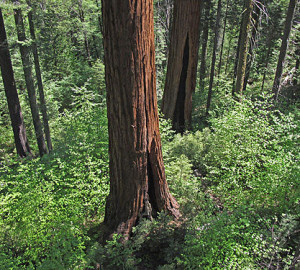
pixel 252 155
pixel 48 204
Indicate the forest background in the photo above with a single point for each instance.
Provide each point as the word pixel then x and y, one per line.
pixel 233 166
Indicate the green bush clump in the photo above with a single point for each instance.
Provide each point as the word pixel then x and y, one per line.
pixel 253 155
pixel 244 239
pixel 48 204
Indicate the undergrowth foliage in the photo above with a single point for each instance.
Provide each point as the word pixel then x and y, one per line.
pixel 236 181
pixel 47 205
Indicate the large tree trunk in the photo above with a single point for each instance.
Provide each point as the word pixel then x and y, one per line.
pixel 204 44
pixel 138 187
pixel 11 93
pixel 25 55
pixel 182 63
pixel 284 46
pixel 214 56
pixel 242 59
pixel 43 105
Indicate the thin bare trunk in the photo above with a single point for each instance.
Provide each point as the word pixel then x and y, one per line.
pixel 204 45
pixel 241 69
pixel 255 21
pixel 284 46
pixel 214 56
pixel 25 55
pixel 43 105
pixel 223 39
pixel 12 97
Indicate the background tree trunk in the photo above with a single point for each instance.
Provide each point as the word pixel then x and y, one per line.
pixel 138 187
pixel 255 22
pixel 43 105
pixel 204 44
pixel 24 49
pixel 182 63
pixel 241 68
pixel 11 93
pixel 214 56
pixel 283 48
pixel 223 39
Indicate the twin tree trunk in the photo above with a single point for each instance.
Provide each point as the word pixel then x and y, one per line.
pixel 138 187
pixel 25 55
pixel 182 63
pixel 243 47
pixel 11 93
pixel 284 45
pixel 43 105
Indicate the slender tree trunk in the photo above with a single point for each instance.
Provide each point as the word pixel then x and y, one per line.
pixel 182 63
pixel 43 105
pixel 253 41
pixel 237 55
pixel 214 56
pixel 266 68
pixel 241 69
pixel 223 39
pixel 138 187
pixel 296 73
pixel 228 54
pixel 24 49
pixel 204 44
pixel 284 46
pixel 86 41
pixel 11 93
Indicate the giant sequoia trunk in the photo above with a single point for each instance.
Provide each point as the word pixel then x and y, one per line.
pixel 182 63
pixel 243 47
pixel 25 55
pixel 284 46
pixel 38 73
pixel 138 187
pixel 11 93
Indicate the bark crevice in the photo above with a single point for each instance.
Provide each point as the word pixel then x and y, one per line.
pixel 178 120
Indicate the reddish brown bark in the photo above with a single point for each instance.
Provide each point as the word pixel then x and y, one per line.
pixel 138 186
pixel 11 93
pixel 182 63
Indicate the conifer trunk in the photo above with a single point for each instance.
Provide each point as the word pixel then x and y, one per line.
pixel 204 44
pixel 24 50
pixel 242 59
pixel 138 187
pixel 43 105
pixel 182 63
pixel 214 56
pixel 11 93
pixel 284 46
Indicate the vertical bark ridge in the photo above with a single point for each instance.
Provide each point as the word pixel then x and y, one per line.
pixel 137 176
pixel 178 119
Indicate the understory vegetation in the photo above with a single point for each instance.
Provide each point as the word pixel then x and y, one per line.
pixel 236 181
pixel 234 172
